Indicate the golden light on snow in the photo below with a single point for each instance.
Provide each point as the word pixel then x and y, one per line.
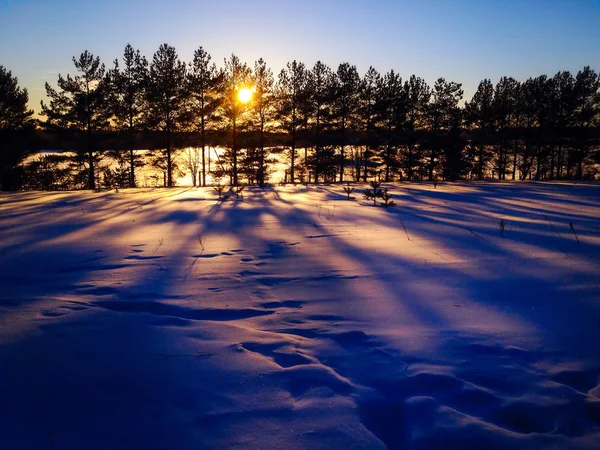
pixel 245 95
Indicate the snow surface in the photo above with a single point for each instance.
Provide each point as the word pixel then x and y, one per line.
pixel 293 318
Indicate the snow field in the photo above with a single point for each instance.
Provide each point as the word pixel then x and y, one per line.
pixel 294 318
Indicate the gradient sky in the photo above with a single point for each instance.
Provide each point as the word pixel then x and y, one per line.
pixel 463 41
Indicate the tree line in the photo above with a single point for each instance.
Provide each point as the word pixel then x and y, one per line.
pixel 325 125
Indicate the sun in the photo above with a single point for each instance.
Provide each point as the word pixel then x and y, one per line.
pixel 245 95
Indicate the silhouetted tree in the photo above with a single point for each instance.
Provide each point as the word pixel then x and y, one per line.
pixel 368 96
pixel 455 163
pixel 236 77
pixel 586 112
pixel 480 112
pixel 291 91
pixel 391 116
pixel 345 106
pixel 80 104
pixel 166 94
pixel 505 113
pixel 127 100
pixel 192 160
pixel 417 94
pixel 205 86
pixel 306 109
pixel 15 125
pixel 322 84
pixel 263 110
pixel 531 112
pixel 442 116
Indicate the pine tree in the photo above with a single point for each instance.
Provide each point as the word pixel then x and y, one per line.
pixel 306 106
pixel 562 108
pixel 128 100
pixel 480 112
pixel 504 109
pixel 166 95
pixel 532 111
pixel 263 110
pixel 586 113
pixel 455 165
pixel 442 112
pixel 344 107
pixel 417 94
pixel 291 91
pixel 236 77
pixel 391 115
pixel 15 125
pixel 205 87
pixel 322 80
pixel 80 104
pixel 368 96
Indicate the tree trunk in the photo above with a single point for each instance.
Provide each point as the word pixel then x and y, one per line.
pixel 388 159
pixel 234 153
pixel 366 160
pixel 342 150
pixel 480 164
pixel 317 153
pixel 342 164
pixel 431 163
pixel 409 171
pixel 306 164
pixel 208 168
pixel 91 174
pixel 261 169
pixel 169 162
pixel 131 156
pixel 514 170
pixel 203 138
pixel 90 151
pixel 293 155
pixel 91 177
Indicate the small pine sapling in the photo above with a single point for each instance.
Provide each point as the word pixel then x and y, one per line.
pixel 572 227
pixel 219 190
pixel 386 197
pixel 237 190
pixel 348 190
pixel 435 183
pixel 201 240
pixel 374 193
pixel 161 241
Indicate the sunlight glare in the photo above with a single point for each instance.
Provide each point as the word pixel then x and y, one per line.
pixel 245 95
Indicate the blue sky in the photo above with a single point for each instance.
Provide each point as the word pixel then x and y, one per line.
pixel 463 41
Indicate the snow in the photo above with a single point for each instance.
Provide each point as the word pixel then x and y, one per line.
pixel 294 318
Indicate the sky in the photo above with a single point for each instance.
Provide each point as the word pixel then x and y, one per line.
pixel 460 40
